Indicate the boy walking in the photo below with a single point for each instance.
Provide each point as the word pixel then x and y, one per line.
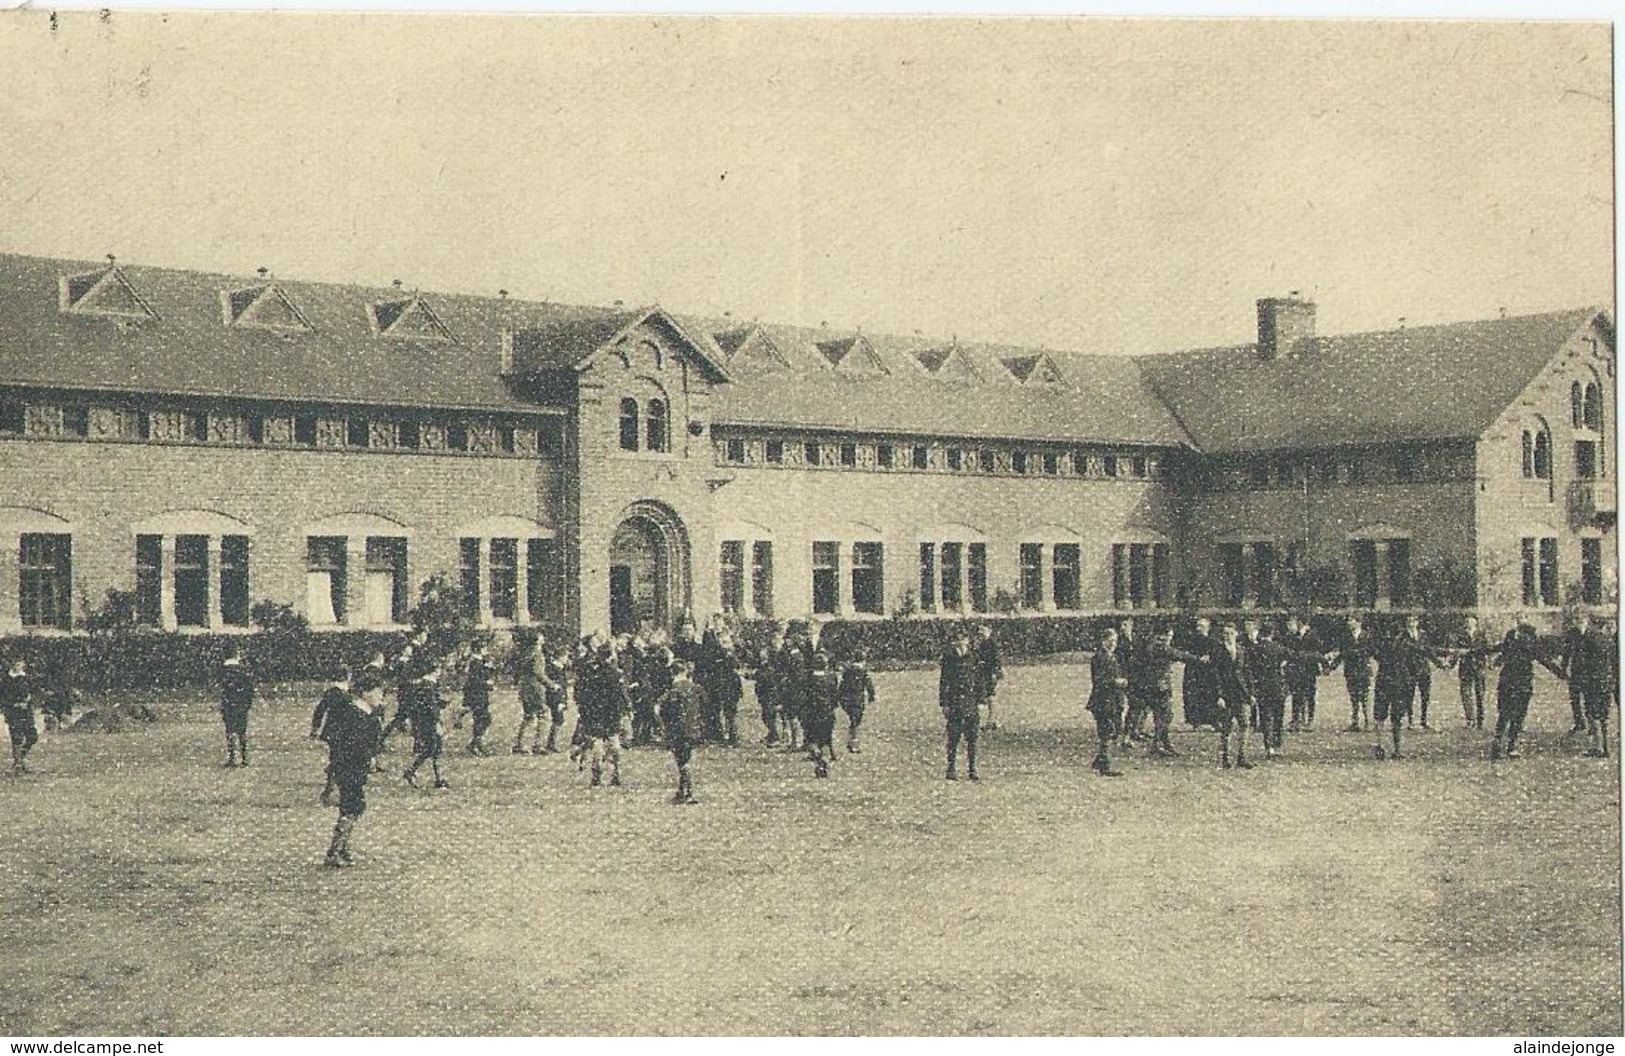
pixel 1107 685
pixel 236 697
pixel 322 724
pixel 857 692
pixel 478 682
pixel 17 705
pixel 353 728
pixel 681 712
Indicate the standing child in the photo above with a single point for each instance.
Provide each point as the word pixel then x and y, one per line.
pixel 857 692
pixel 322 721
pixel 818 711
pixel 479 679
pixel 1107 686
pixel 423 705
pixel 236 697
pixel 17 705
pixel 555 693
pixel 353 728
pixel 681 709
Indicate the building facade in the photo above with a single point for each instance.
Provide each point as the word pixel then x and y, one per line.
pixel 208 442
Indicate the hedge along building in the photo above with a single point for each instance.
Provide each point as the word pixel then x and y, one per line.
pixel 207 440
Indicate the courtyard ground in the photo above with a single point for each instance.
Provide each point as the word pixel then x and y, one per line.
pixel 145 890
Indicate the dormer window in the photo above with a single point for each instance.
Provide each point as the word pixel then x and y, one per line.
pixel 262 308
pixel 851 355
pixel 411 318
pixel 1033 370
pixel 105 292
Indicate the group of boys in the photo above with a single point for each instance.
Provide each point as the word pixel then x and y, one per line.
pixel 800 687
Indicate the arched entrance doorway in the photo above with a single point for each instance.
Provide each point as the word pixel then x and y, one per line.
pixel 648 569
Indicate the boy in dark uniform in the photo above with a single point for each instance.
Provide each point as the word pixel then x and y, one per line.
pixel 1303 672
pixel 766 686
pixel 1355 655
pixel 529 671
pixel 479 679
pixel 1155 672
pixel 555 694
pixel 722 685
pixel 17 705
pixel 602 703
pixel 1197 690
pixel 818 711
pixel 1471 648
pixel 1234 690
pixel 236 697
pixel 1107 686
pixel 1266 673
pixel 1519 653
pixel 335 696
pixel 857 692
pixel 409 665
pixel 1591 666
pixel 956 696
pixel 423 704
pixel 789 689
pixel 353 728
pixel 1571 645
pixel 680 711
pixel 1400 660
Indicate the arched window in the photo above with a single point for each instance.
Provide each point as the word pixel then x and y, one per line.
pixel 1576 411
pixel 1593 407
pixel 629 424
pixel 659 438
pixel 1528 453
pixel 1543 455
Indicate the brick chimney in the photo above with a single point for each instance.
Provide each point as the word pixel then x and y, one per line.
pixel 1286 326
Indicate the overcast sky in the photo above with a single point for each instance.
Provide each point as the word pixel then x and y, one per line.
pixel 1099 185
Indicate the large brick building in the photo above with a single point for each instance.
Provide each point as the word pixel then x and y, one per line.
pixel 207 441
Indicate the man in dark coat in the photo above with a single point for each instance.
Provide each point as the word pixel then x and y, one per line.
pixel 1593 666
pixel 1571 645
pixel 989 673
pixel 479 679
pixel 1471 652
pixel 323 723
pixel 1132 727
pixel 236 698
pixel 1155 677
pixel 723 687
pixel 957 697
pixel 423 703
pixel 1303 672
pixel 1233 685
pixel 1197 689
pixel 681 708
pixel 1355 654
pixel 602 703
pixel 1519 652
pixel 1266 661
pixel 1400 660
pixel 1107 687
pixel 352 728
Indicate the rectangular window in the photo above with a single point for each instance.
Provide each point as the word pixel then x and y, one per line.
pixel 629 424
pixel 1032 575
pixel 810 453
pixel 1120 574
pixel 304 430
pixel 1232 575
pixel 735 451
pixel 956 459
pixel 1080 463
pixel 76 421
pixel 541 582
pixel 234 586
pixel 826 577
pixel 1591 571
pixel 1159 575
pixel 1399 572
pixel 13 417
pixel 1018 462
pixel 409 434
pixel 1139 568
pixel 1259 471
pixel 192 580
pixel 953 569
pixel 1067 571
pixel 468 575
pixel 849 454
pixel 976 575
pixel 45 579
pixel 195 425
pixel 1139 466
pixel 149 579
pixel 326 579
pixel 1052 464
pixel 1585 460
pixel 504 579
pixel 1363 566
pixel 731 575
pixel 761 578
pixel 928 576
pixel 1531 584
pixel 254 428
pixel 868 578
pixel 457 437
pixel 922 457
pixel 355 432
pixel 1108 465
pixel 775 452
pixel 386 580
pixel 985 456
pixel 1549 586
pixel 505 441
pixel 1265 574
pixel 883 456
pixel 1404 465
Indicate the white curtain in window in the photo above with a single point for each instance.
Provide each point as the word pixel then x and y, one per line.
pixel 380 598
pixel 319 598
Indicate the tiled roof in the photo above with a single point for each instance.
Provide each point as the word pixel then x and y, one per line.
pixel 1418 383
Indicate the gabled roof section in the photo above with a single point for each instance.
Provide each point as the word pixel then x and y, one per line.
pixel 263 308
pixel 1450 381
pixel 410 318
pixel 106 291
pixel 852 355
pixel 569 342
pixel 1038 369
pixel 947 363
pixel 748 348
